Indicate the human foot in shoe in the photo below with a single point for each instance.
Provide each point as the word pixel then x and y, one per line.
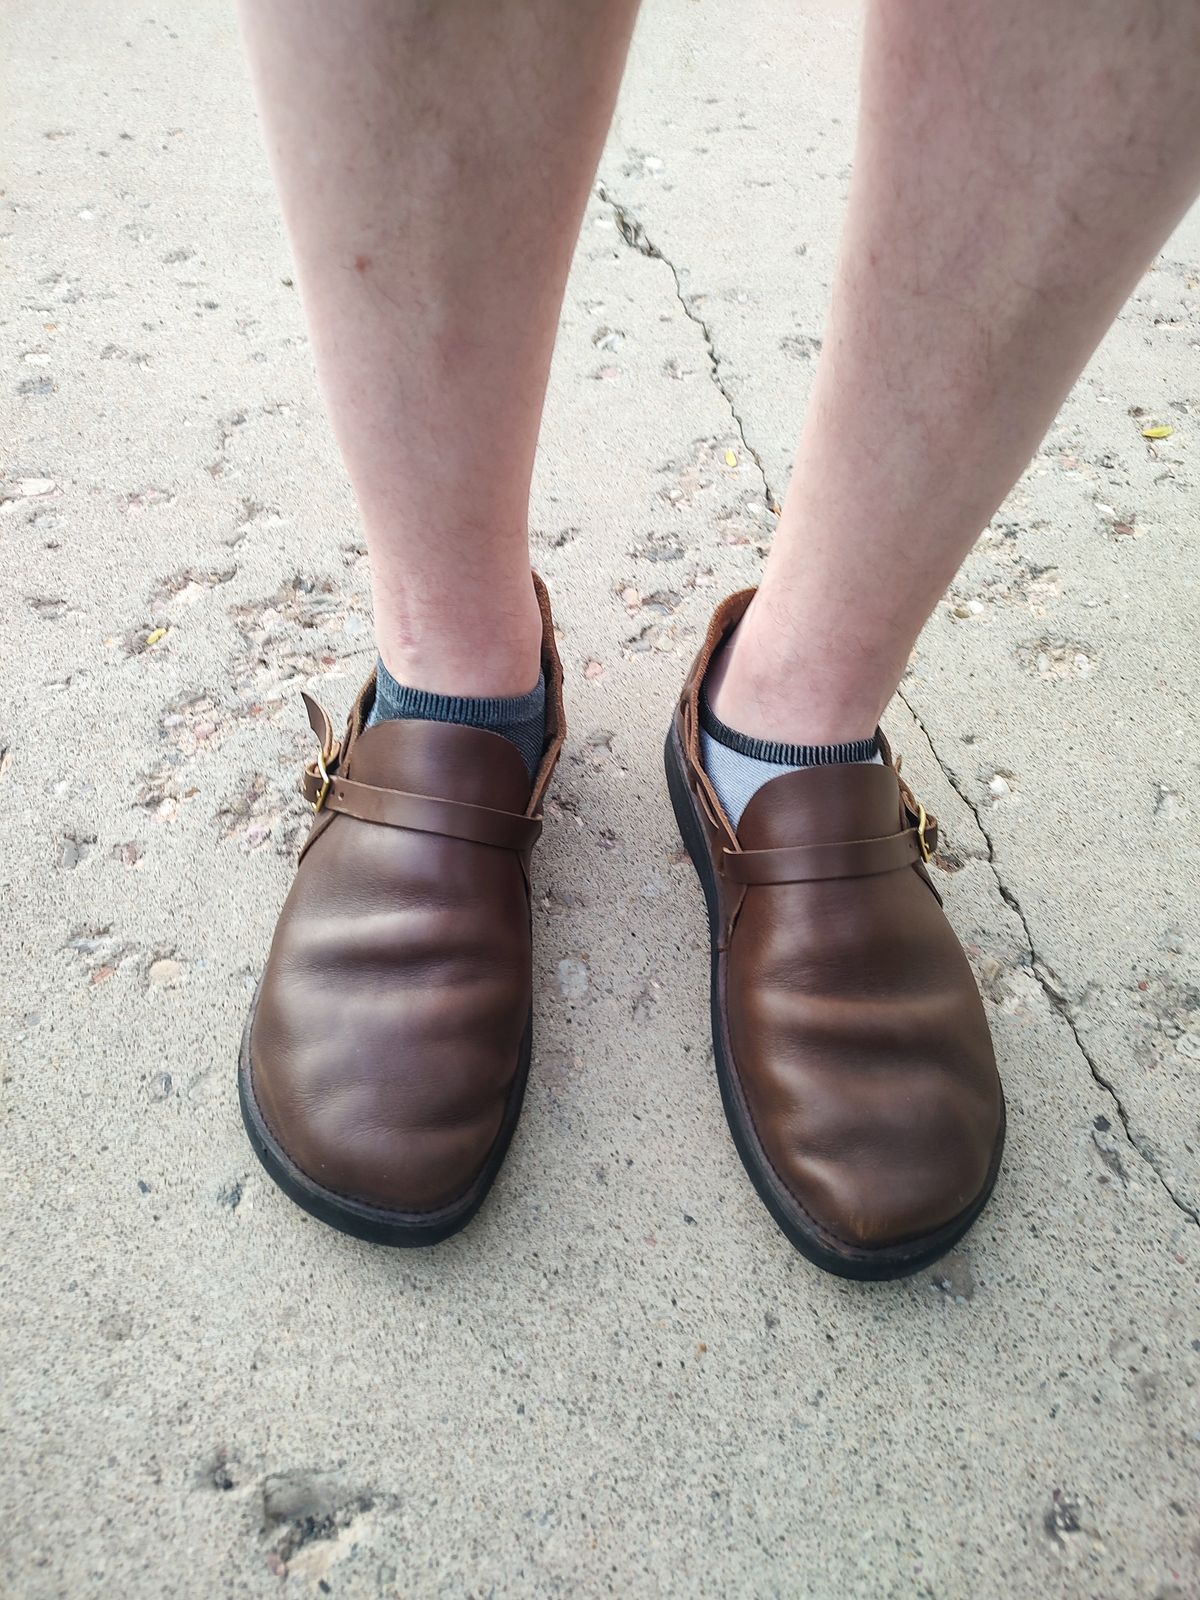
pixel 852 1049
pixel 384 1061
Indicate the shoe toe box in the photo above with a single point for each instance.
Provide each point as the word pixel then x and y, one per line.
pixel 878 1171
pixel 880 1132
pixel 375 1116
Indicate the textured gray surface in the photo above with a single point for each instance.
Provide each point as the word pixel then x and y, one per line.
pixel 620 1380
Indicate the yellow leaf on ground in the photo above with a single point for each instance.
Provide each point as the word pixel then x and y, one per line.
pixel 730 459
pixel 153 638
pixel 1161 430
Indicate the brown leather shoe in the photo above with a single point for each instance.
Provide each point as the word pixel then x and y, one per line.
pixel 385 1057
pixel 851 1044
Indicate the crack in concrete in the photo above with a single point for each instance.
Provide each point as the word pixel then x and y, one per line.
pixel 636 237
pixel 1041 972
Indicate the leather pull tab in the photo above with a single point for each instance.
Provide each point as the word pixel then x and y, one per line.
pixel 318 721
pixel 314 784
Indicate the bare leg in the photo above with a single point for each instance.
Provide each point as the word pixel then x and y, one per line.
pixel 1017 167
pixel 434 162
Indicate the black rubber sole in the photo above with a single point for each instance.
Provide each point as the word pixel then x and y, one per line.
pixel 893 1261
pixel 400 1229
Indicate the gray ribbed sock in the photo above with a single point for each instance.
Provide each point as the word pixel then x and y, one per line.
pixel 738 766
pixel 519 718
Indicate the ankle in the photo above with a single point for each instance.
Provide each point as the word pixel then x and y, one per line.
pixel 767 690
pixel 472 648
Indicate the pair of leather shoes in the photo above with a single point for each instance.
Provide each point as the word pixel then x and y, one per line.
pixel 384 1061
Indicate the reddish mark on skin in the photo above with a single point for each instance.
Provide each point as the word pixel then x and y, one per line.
pixel 362 263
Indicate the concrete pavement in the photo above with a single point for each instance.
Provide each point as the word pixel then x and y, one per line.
pixel 621 1380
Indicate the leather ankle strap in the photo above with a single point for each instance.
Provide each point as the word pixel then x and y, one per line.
pixel 393 808
pixel 858 858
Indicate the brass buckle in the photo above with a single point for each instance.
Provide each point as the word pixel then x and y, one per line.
pixel 326 780
pixel 922 819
